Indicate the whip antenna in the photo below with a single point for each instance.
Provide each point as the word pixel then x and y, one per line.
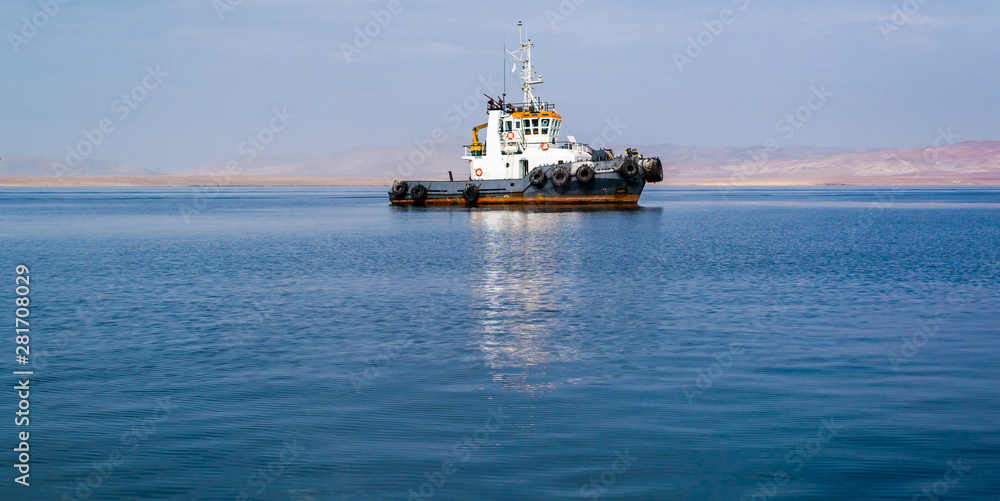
pixel 503 68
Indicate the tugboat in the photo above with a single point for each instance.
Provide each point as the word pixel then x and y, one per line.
pixel 522 161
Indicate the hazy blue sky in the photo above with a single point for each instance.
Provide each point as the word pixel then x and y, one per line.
pixel 892 85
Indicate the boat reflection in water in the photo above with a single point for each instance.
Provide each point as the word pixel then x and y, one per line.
pixel 521 291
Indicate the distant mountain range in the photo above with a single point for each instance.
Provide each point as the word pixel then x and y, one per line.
pixel 41 166
pixel 969 162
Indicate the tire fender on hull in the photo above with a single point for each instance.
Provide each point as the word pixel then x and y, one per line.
pixel 418 193
pixel 652 170
pixel 399 189
pixel 537 177
pixel 628 168
pixel 560 177
pixel 471 193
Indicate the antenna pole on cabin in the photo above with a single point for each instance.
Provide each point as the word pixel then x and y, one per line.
pixel 503 68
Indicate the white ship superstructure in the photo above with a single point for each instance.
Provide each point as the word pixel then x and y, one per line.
pixel 519 137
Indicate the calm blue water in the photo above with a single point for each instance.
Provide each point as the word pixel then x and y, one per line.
pixel 317 344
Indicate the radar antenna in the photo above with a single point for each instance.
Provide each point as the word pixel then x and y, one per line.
pixel 528 76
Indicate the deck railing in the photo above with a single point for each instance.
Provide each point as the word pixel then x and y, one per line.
pixel 528 107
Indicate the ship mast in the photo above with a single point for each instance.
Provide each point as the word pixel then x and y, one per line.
pixel 523 56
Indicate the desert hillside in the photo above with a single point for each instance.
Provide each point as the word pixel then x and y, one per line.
pixel 974 162
pixel 41 166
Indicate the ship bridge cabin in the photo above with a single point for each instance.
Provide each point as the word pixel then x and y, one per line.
pixel 519 137
pixel 534 126
pixel 520 126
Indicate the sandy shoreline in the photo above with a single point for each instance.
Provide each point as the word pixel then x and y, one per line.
pixel 269 181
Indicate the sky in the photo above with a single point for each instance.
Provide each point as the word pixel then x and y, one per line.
pixel 174 85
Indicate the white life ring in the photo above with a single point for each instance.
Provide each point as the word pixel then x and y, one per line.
pixel 479 172
pixel 545 146
pixel 510 135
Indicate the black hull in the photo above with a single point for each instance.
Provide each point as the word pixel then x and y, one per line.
pixel 608 187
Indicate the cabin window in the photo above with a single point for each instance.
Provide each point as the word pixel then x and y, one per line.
pixel 545 131
pixel 527 132
pixel 536 131
pixel 534 123
pixel 517 124
pixel 506 127
pixel 545 122
pixel 527 123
